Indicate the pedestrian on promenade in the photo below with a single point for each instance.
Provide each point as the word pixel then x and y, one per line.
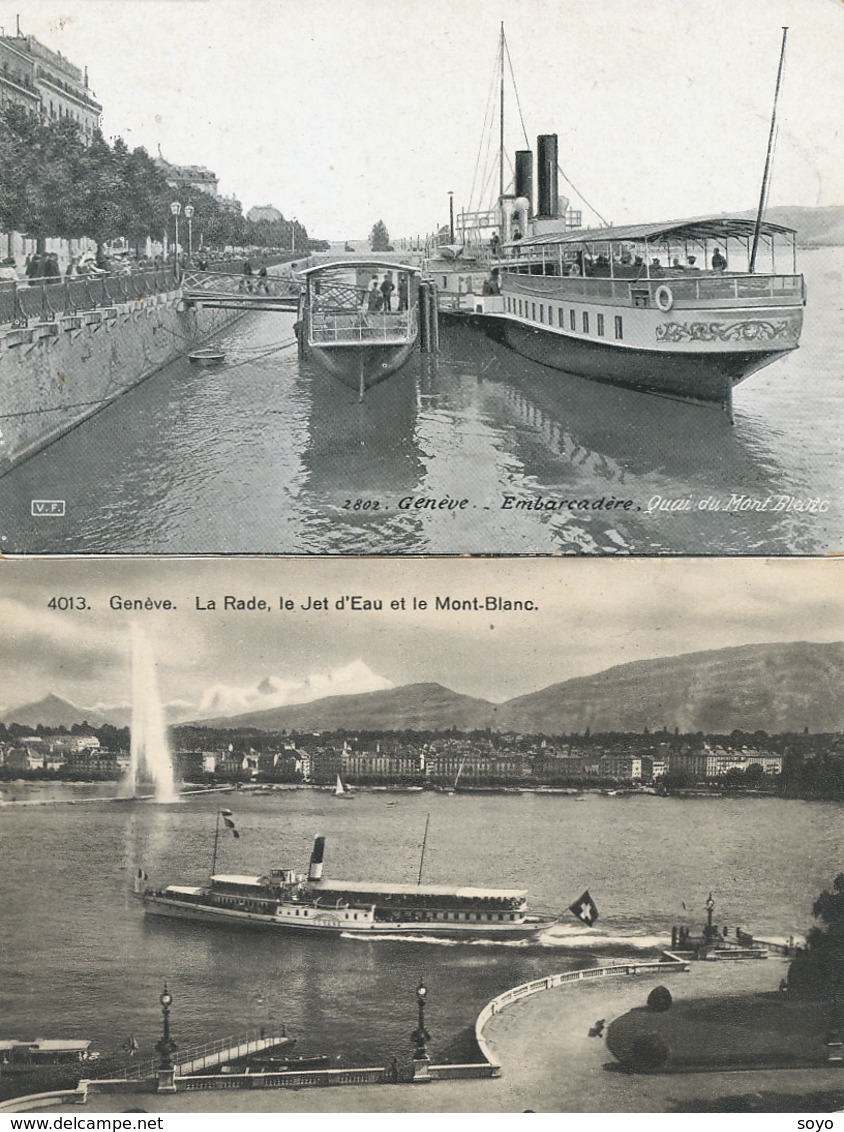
pixel 51 266
pixel 246 282
pixel 33 268
pixel 8 271
pixel 262 279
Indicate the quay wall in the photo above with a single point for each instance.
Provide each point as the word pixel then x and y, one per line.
pixel 57 371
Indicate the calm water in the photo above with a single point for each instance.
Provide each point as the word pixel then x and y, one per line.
pixel 266 455
pixel 80 959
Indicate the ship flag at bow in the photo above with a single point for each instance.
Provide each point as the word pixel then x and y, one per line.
pixel 584 909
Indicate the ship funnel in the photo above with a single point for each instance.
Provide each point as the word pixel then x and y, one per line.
pixel 524 176
pixel 546 170
pixel 315 867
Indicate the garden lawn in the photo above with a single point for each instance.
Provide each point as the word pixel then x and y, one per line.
pixel 767 1030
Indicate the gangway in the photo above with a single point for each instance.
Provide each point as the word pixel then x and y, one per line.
pixel 221 290
pixel 213 1054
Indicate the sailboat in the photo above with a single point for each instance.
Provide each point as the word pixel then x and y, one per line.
pixel 340 789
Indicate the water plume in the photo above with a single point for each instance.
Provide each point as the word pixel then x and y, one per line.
pixel 150 759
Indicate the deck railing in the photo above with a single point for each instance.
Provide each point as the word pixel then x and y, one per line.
pixel 342 328
pixel 697 289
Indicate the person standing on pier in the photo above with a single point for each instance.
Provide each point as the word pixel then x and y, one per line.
pixel 387 288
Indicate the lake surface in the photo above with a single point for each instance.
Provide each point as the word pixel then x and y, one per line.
pixel 268 455
pixel 81 960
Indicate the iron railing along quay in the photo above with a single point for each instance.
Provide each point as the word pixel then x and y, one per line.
pixel 43 300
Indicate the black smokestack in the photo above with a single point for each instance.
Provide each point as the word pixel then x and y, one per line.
pixel 546 165
pixel 315 870
pixel 524 176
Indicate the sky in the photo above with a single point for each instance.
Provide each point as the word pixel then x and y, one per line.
pixel 343 113
pixel 590 615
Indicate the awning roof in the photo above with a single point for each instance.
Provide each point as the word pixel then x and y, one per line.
pixel 380 889
pixel 697 228
pixel 346 264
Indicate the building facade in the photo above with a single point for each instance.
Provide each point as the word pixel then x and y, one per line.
pixel 44 82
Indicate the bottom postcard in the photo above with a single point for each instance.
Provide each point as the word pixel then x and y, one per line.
pixel 309 835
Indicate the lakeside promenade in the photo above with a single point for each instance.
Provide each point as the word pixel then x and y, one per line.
pixel 549 1062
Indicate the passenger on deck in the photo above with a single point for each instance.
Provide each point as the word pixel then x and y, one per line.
pixel 374 302
pixel 691 265
pixel 491 286
pixel 495 244
pixel 719 263
pixel 404 286
pixel 387 288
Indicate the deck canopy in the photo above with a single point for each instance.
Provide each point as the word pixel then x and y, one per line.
pixel 695 230
pixel 346 264
pixel 379 889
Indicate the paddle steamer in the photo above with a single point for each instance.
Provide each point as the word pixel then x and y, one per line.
pixel 285 901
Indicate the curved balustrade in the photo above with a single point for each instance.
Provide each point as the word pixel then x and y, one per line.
pixel 566 978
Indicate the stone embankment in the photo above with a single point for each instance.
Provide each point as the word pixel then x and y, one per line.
pixel 67 349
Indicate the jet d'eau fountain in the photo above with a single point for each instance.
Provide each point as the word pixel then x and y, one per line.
pixel 150 760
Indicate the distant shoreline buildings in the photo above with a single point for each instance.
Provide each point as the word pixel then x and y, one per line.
pixel 443 761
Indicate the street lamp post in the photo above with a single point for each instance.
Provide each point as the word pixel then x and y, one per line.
pixel 189 211
pixel 176 208
pixel 420 1037
pixel 166 1047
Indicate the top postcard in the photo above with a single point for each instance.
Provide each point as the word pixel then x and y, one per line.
pixel 421 278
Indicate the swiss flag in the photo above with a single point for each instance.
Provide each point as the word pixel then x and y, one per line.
pixel 585 910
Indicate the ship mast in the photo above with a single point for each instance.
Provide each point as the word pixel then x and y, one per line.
pixel 501 118
pixel 766 175
pixel 424 843
pixel 216 840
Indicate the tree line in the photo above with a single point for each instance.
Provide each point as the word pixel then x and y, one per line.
pixel 54 185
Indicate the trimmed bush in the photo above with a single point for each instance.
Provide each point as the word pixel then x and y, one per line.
pixel 647 1054
pixel 660 999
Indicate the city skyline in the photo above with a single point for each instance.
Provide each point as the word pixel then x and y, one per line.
pixel 360 116
pixel 591 615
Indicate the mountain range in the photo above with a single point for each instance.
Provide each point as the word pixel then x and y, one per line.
pixel 770 687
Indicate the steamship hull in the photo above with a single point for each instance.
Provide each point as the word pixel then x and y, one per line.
pixel 360 366
pixel 706 378
pixel 331 923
